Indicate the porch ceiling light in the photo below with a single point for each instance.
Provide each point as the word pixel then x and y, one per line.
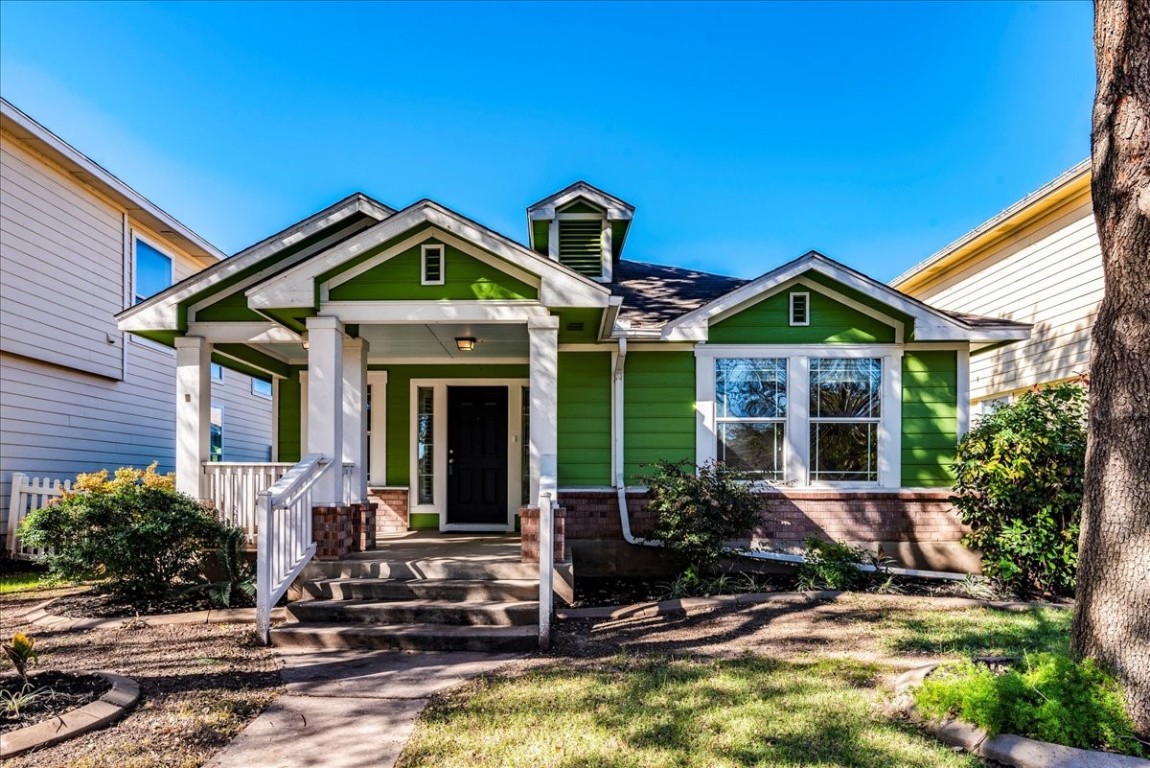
pixel 465 343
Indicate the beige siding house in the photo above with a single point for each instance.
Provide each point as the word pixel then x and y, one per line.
pixel 1037 262
pixel 77 246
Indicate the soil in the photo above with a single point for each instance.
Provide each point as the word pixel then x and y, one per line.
pixel 201 684
pixel 97 605
pixel 54 693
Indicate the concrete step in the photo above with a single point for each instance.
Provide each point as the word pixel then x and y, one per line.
pixel 481 614
pixel 419 569
pixel 407 637
pixel 460 590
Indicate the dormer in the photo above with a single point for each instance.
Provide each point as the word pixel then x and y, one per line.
pixel 582 228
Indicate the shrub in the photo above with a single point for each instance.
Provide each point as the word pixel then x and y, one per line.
pixel 238 582
pixel 834 565
pixel 1019 487
pixel 699 508
pixel 1049 697
pixel 135 530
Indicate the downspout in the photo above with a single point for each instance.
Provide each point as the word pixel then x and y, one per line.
pixel 620 474
pixel 783 557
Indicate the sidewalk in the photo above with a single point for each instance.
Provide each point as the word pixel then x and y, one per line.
pixel 349 709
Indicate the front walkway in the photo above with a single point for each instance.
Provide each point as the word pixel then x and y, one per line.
pixel 348 709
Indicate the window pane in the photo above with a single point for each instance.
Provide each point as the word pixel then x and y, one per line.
pixel 844 452
pixel 755 448
pixel 217 372
pixel 153 271
pixel 845 387
pixel 217 435
pixel 261 387
pixel 525 449
pixel 425 460
pixel 754 388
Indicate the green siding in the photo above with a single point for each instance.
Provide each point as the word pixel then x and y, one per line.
pixel 658 410
pixel 864 299
pixel 581 207
pixel 929 418
pixel 768 322
pixel 399 405
pixel 540 235
pixel 423 521
pixel 233 308
pixel 578 325
pixel 584 418
pixel 465 278
pixel 288 427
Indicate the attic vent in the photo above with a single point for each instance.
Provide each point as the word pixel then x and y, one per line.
pixel 800 309
pixel 581 246
pixel 575 326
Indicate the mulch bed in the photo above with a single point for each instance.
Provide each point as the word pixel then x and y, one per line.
pixel 97 605
pixel 61 692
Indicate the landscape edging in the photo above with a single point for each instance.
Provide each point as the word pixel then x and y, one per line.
pixel 103 711
pixel 41 617
pixel 1006 748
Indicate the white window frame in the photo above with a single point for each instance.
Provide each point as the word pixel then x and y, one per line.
pixel 515 389
pixel 806 308
pixel 874 420
pixel 271 388
pixel 136 239
pixel 426 249
pixel 720 420
pixel 797 434
pixel 213 367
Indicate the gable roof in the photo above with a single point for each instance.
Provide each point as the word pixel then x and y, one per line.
pixel 616 208
pixel 87 171
pixel 930 324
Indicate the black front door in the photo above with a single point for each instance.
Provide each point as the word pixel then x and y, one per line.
pixel 477 455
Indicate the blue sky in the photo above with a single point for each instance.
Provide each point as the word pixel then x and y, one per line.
pixel 745 134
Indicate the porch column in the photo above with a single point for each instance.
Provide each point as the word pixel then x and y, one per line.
pixel 325 405
pixel 193 412
pixel 543 335
pixel 355 415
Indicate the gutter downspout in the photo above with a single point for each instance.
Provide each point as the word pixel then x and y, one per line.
pixel 864 567
pixel 620 474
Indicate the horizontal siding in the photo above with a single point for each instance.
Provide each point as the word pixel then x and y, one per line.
pixel 658 410
pixel 50 309
pixel 584 418
pixel 288 434
pixel 929 418
pixel 768 322
pixel 1049 275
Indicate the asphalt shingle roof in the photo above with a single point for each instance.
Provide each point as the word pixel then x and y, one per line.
pixel 654 294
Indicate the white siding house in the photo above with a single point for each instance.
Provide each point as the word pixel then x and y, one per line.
pixel 77 246
pixel 1037 262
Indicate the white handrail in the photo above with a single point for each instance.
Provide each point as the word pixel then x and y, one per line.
pixel 285 544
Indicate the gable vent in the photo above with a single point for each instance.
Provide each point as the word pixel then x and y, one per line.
pixel 581 246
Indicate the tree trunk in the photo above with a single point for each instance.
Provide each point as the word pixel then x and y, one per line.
pixel 1112 617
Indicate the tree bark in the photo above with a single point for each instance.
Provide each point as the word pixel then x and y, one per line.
pixel 1112 615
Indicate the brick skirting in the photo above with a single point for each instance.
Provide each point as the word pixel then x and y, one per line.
pixel 529 534
pixel 391 512
pixel 363 526
pixel 331 527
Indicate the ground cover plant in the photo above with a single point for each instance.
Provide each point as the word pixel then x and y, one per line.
pixel 1045 696
pixel 1019 482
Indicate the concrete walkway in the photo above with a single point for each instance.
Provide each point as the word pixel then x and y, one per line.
pixel 348 708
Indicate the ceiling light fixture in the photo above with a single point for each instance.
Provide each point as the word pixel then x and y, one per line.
pixel 465 343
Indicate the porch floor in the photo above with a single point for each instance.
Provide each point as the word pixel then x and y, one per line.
pixel 433 545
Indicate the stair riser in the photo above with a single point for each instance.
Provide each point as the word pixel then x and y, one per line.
pixel 350 569
pixel 465 615
pixel 350 640
pixel 417 589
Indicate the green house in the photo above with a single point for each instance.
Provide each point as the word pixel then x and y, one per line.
pixel 458 375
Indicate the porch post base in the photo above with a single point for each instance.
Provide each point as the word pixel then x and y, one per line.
pixel 363 527
pixel 332 528
pixel 529 534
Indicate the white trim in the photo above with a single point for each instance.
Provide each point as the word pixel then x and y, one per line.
pixel 600 347
pixel 429 312
pixel 136 238
pixel 791 350
pixel 275 454
pixel 439 448
pixel 377 469
pixel 962 369
pixel 616 209
pixel 217 367
pixel 424 251
pixel 806 297
pixel 303 413
pixel 244 333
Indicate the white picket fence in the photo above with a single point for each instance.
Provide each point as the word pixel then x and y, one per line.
pixel 29 493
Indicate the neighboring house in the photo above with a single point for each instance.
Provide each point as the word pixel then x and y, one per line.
pixel 462 376
pixel 1037 262
pixel 77 246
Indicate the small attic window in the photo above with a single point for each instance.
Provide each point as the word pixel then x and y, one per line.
pixel 800 309
pixel 431 265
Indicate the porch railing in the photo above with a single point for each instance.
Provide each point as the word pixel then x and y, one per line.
pixel 28 494
pixel 232 488
pixel 285 543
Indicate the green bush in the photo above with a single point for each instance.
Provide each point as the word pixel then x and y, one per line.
pixel 699 508
pixel 1047 697
pixel 135 531
pixel 1019 487
pixel 833 565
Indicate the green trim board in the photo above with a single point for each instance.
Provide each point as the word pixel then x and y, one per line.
pixel 423 521
pixel 929 418
pixel 658 410
pixel 466 278
pixel 768 322
pixel 584 418
pixel 232 308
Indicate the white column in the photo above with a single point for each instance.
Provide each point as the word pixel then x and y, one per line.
pixel 325 404
pixel 355 415
pixel 193 412
pixel 543 334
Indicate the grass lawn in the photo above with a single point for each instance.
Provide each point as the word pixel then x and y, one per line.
pixel 22 581
pixel 740 688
